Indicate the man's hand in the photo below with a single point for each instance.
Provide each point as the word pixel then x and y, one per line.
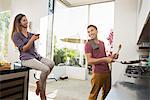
pixel 108 59
pixel 115 56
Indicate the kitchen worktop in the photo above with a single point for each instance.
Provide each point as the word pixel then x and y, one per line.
pixel 134 84
pixel 130 90
pixel 14 70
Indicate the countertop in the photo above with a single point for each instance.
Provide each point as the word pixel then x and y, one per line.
pixel 14 70
pixel 130 91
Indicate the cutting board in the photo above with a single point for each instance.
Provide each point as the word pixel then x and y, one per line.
pixel 5 67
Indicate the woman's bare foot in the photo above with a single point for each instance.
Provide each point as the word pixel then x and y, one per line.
pixel 43 95
pixel 37 88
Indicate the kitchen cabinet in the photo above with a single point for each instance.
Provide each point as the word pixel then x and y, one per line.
pixel 144 38
pixel 142 19
pixel 14 84
pixel 143 27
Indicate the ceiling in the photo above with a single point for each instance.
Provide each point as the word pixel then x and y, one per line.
pixel 74 3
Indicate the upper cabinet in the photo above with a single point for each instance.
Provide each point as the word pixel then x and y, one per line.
pixel 144 38
pixel 143 21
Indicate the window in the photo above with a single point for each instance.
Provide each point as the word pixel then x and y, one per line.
pixel 70 32
pixel 4 25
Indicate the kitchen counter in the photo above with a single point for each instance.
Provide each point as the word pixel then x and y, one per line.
pixel 14 84
pixel 133 85
pixel 130 91
pixel 9 71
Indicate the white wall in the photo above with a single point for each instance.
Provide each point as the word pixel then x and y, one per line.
pixel 76 72
pixel 4 5
pixel 125 34
pixel 34 10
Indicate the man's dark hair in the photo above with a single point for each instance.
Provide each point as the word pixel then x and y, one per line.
pixel 92 26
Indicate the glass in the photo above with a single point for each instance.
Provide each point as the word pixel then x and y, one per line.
pixel 69 34
pixel 4 26
pixel 70 30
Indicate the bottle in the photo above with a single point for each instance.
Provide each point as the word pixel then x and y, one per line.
pixel 149 60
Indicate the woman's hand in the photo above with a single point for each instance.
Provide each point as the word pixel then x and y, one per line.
pixel 34 37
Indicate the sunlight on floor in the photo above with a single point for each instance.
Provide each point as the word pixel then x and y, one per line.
pixel 50 96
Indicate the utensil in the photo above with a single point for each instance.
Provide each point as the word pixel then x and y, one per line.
pixel 128 62
pixel 117 53
pixel 119 48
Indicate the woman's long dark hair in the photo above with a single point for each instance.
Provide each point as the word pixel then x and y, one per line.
pixel 16 24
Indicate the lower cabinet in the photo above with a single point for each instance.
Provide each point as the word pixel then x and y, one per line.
pixel 14 86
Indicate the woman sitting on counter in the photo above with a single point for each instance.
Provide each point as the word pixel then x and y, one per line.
pixel 29 57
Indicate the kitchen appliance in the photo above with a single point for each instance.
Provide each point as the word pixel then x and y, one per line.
pixel 135 69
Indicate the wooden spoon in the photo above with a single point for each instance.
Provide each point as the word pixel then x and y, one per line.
pixel 119 48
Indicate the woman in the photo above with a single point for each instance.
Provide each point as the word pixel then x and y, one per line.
pixel 29 57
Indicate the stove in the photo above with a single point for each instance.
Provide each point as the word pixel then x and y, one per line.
pixel 137 71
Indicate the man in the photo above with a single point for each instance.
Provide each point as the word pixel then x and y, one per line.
pixel 96 56
pixel 29 57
